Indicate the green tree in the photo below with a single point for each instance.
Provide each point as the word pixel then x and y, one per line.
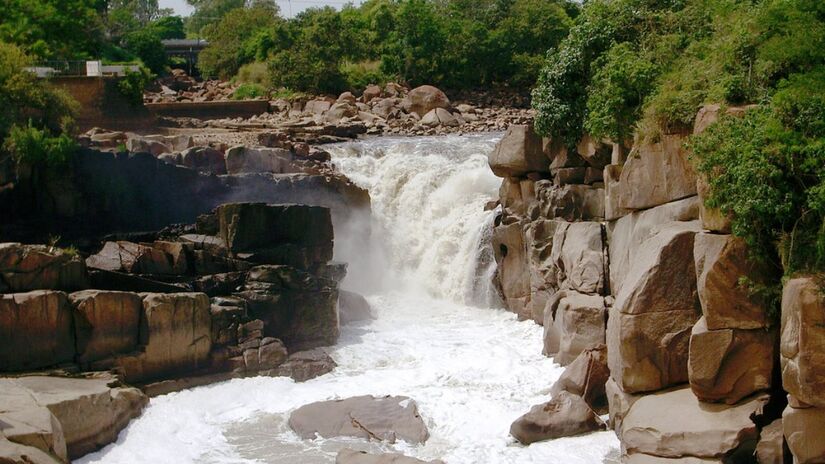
pixel 146 45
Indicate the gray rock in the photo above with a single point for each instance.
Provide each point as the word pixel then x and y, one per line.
pixel 384 419
pixel 352 307
pixel 350 456
pixel 565 415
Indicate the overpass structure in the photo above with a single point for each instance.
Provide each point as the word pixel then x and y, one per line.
pixel 188 49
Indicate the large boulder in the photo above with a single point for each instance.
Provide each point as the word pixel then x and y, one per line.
pixel 38 267
pixel 579 322
pixel 648 331
pixel 802 343
pixel 721 262
pixel 353 307
pixel 571 202
pixel 518 153
pixel 421 100
pixel 713 219
pixel 350 456
pixel 586 377
pixel 804 431
pixel 565 415
pixel 597 153
pixel 205 159
pixel 317 107
pixel 386 418
pixel 255 226
pixel 513 273
pixel 106 323
pixel 139 144
pixel 175 337
pixel 619 403
pixel 656 173
pixel 771 446
pixel 36 330
pixel 339 111
pixel 13 453
pixel 133 258
pixel 674 424
pixel 306 365
pixel 578 254
pixel 726 365
pixel 240 160
pixel 66 417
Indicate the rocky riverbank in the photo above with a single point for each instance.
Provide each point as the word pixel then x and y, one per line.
pixel 639 289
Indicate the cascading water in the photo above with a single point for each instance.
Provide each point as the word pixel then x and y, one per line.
pixel 437 337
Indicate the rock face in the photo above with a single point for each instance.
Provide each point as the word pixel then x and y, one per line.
pixel 586 377
pixel 655 174
pixel 204 159
pixel 421 100
pixel 690 428
pixel 563 416
pixel 804 434
pixel 519 152
pixel 240 160
pixel 578 325
pixel 648 331
pixel 729 364
pixel 385 419
pixel 802 344
pixel 36 330
pixel 350 456
pixel 65 418
pixel 770 449
pixel 37 267
pixel 105 323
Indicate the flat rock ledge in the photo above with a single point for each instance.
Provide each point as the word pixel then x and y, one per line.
pixel 56 419
pixel 385 418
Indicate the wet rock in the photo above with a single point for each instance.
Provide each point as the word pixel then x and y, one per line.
pixel 421 100
pixel 306 365
pixel 240 160
pixel 564 416
pixel 251 226
pixel 586 377
pixel 727 365
pixel 805 434
pixel 802 344
pixel 38 267
pixel 105 323
pixel 690 428
pixel 64 417
pixel 655 174
pixel 205 159
pixel 512 271
pixel 721 262
pixel 36 330
pixel 580 324
pixel 350 456
pixel 372 418
pixel 518 153
pixel 353 307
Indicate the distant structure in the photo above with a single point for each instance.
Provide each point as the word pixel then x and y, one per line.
pixel 80 69
pixel 187 49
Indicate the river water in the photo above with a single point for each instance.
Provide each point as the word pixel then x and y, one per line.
pixel 439 335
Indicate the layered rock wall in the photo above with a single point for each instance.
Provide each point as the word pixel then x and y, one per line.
pixel 602 248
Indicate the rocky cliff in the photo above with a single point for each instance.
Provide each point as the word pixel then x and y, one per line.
pixel 613 250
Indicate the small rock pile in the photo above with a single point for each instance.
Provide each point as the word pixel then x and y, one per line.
pixel 180 87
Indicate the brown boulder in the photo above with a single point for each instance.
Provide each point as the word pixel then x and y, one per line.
pixel 133 258
pixel 386 418
pixel 597 153
pixel 569 202
pixel 565 415
pixel 727 365
pixel 37 267
pixel 712 218
pixel 655 174
pixel 619 403
pixel 512 270
pixel 254 226
pixel 106 323
pixel 580 323
pixel 240 160
pixel 586 377
pixel 721 262
pixel 802 343
pixel 421 100
pixel 674 424
pixel 370 93
pixel 340 111
pixel 804 431
pixel 205 159
pixel 579 257
pixel 306 365
pixel 14 453
pixel 36 330
pixel 771 446
pixel 518 153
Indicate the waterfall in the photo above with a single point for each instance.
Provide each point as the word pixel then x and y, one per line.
pixel 430 230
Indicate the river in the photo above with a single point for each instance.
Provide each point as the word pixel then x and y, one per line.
pixel 439 335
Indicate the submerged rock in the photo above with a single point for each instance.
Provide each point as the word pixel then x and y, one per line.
pixel 350 456
pixel 353 307
pixel 563 416
pixel 306 365
pixel 385 419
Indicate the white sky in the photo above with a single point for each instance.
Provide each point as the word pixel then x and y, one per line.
pixel 183 9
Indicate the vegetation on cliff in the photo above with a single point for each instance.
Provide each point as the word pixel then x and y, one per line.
pixel 645 67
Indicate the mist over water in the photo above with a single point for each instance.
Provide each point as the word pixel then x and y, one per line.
pixel 439 335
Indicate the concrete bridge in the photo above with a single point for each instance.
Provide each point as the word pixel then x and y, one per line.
pixel 187 49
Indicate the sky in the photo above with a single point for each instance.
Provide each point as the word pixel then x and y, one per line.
pixel 295 6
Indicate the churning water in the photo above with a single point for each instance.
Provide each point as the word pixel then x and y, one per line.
pixel 439 336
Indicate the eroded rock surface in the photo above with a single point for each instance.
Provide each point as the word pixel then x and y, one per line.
pixel 563 416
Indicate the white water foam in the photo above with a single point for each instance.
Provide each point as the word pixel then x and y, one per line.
pixel 472 369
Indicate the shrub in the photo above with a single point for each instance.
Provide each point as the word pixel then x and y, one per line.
pixel 249 92
pixel 33 146
pixel 134 83
pixel 359 75
pixel 253 73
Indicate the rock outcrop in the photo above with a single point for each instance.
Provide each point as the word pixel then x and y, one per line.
pixel 386 418
pixel 563 416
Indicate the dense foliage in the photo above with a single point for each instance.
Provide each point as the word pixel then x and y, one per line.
pixel 643 67
pixel 451 43
pixel 36 121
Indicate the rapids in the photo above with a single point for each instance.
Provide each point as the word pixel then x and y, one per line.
pixel 439 336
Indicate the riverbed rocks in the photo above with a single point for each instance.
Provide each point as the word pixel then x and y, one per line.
pixel 563 416
pixel 387 418
pixel 63 418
